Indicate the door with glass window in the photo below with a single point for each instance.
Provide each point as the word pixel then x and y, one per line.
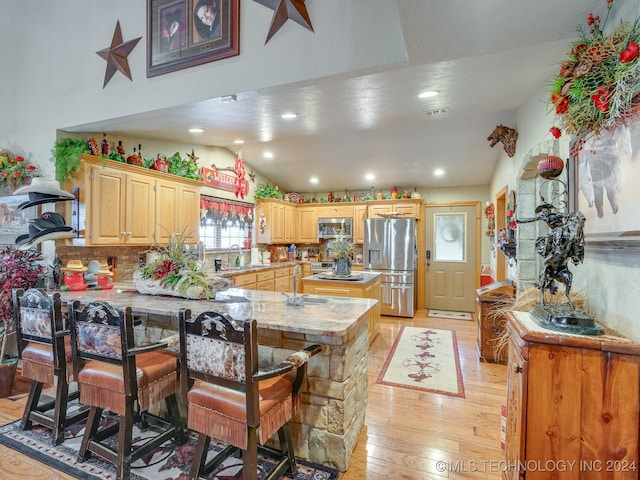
pixel 451 258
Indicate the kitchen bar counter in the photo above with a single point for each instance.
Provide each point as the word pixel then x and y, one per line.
pixel 327 427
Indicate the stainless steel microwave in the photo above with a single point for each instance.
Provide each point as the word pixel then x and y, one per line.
pixel 332 227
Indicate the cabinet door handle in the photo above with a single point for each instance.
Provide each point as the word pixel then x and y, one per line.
pixel 518 369
pixel 123 233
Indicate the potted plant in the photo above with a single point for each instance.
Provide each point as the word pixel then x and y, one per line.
pixel 342 249
pixel 68 154
pixel 265 190
pixel 18 269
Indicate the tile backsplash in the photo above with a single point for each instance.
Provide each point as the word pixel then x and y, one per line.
pixel 127 257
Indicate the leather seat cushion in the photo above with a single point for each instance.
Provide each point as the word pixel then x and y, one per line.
pixel 221 413
pixel 102 384
pixel 37 361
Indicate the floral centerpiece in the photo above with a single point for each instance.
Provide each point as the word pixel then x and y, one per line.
pixel 341 249
pixel 14 170
pixel 174 272
pixel 18 269
pixel 599 84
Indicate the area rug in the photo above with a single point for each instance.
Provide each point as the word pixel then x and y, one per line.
pixel 168 462
pixel 424 359
pixel 449 314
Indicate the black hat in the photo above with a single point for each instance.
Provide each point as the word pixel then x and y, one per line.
pixel 40 198
pixel 50 226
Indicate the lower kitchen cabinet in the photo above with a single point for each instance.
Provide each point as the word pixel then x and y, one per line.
pixel 245 280
pixel 572 404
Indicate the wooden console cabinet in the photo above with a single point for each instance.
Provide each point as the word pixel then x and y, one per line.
pixel 572 404
pixel 491 300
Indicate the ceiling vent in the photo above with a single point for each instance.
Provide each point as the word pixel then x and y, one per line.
pixel 438 111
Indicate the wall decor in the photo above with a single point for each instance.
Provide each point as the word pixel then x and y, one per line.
pixel 186 33
pixel 603 181
pixel 116 55
pixel 13 220
pixel 284 10
pixel 507 136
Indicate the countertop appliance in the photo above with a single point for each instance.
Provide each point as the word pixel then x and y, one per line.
pixel 332 227
pixel 390 248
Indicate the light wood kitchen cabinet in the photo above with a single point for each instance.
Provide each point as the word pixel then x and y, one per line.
pixel 276 221
pixel 245 280
pixel 359 216
pixel 122 204
pixel 571 400
pixel 177 211
pixel 307 219
pixel 407 208
pixel 335 210
pixel 282 279
pixel 114 203
pixel 265 280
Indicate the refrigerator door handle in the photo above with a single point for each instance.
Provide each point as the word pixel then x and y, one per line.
pixel 386 293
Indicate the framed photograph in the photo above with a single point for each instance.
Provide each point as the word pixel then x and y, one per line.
pixel 185 33
pixel 604 174
pixel 14 222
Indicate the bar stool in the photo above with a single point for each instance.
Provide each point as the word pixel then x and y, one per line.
pixel 117 376
pixel 45 350
pixel 228 398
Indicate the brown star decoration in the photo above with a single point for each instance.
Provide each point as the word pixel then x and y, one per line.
pixel 192 156
pixel 116 55
pixel 283 10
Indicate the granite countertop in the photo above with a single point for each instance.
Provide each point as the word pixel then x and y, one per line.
pixel 230 272
pixel 356 278
pixel 326 316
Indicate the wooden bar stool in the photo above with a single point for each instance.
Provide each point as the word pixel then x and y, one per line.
pixel 115 375
pixel 230 399
pixel 45 350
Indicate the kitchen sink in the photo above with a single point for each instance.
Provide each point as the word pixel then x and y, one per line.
pixel 244 267
pixel 315 300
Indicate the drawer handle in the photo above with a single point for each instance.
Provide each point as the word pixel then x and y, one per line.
pixel 518 369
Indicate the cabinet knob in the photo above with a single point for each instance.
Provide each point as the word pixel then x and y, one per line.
pixel 123 233
pixel 518 369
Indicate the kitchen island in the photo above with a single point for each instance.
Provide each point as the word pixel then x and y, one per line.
pixel 357 285
pixel 327 426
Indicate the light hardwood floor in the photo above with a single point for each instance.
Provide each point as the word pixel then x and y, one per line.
pixel 407 432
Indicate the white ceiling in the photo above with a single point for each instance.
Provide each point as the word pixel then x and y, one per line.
pixel 485 57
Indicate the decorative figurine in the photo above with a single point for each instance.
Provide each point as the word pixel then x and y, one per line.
pixel 563 243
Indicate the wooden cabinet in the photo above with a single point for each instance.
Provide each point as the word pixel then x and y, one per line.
pixel 407 208
pixel 177 211
pixel 116 207
pixel 335 210
pixel 282 279
pixel 493 301
pixel 245 280
pixel 265 280
pixel 307 224
pixel 276 221
pixel 359 215
pixel 571 399
pixel 121 204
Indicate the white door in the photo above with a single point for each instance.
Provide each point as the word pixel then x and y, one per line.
pixel 451 264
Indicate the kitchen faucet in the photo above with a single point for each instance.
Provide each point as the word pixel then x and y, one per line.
pixel 237 264
pixel 295 300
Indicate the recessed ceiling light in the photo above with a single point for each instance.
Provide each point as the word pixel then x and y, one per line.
pixel 428 94
pixel 369 176
pixel 238 142
pixel 289 115
pixel 438 172
pixel 267 155
pixel 196 130
pixel 313 180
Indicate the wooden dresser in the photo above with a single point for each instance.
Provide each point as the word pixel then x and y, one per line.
pixel 572 408
pixel 492 300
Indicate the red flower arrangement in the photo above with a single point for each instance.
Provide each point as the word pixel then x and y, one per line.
pixel 599 83
pixel 14 170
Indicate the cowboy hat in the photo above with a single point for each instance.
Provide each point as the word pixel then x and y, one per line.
pixel 35 236
pixel 40 198
pixel 74 266
pixel 43 185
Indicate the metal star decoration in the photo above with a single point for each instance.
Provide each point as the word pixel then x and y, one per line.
pixel 116 55
pixel 284 10
pixel 192 156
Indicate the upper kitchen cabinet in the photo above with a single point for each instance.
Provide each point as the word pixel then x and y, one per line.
pixel 359 215
pixel 276 221
pixel 335 210
pixel 177 211
pixel 307 222
pixel 120 204
pixel 405 208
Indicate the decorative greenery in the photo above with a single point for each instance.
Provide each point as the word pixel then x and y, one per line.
pixel 341 247
pixel 14 170
pixel 18 269
pixel 175 267
pixel 596 86
pixel 68 153
pixel 182 167
pixel 265 190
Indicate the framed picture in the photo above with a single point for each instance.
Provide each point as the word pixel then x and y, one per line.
pixel 185 33
pixel 14 222
pixel 604 174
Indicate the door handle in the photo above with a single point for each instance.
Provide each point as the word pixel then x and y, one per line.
pixel 428 258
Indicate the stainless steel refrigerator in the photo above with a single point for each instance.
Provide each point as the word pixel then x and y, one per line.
pixel 390 248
